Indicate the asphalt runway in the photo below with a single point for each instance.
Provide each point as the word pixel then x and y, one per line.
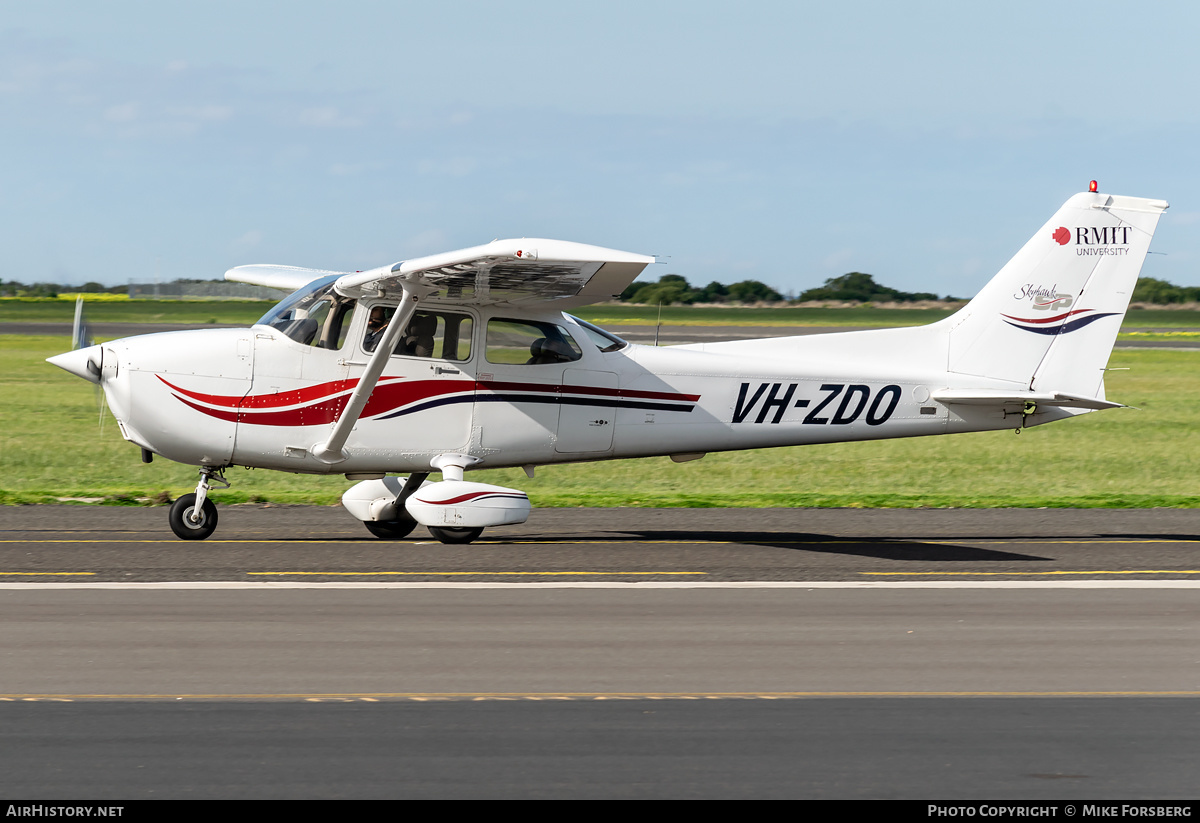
pixel 917 749
pixel 256 543
pixel 912 654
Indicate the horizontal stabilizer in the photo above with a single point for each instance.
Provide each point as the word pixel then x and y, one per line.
pixel 999 397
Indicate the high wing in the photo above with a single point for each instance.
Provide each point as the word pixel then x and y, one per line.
pixel 503 271
pixel 287 278
pixel 508 271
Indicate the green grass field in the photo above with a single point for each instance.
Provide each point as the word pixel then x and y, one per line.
pixel 56 443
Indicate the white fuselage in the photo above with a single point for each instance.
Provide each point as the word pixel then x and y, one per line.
pixel 256 397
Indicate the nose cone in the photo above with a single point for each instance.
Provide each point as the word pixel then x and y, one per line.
pixel 85 363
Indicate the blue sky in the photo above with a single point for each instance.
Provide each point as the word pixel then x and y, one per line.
pixel 784 142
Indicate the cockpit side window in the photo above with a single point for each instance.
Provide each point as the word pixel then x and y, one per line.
pixel 336 325
pixel 438 335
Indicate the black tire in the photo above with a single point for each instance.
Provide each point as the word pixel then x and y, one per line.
pixel 391 529
pixel 181 518
pixel 455 535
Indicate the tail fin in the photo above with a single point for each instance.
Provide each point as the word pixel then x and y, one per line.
pixel 1048 320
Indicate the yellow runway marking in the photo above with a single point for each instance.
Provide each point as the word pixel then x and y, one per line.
pixel 47 574
pixel 470 574
pixel 1029 574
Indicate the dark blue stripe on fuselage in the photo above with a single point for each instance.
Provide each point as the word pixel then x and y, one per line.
pixel 605 402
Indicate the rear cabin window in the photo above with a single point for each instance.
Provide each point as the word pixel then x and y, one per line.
pixel 605 341
pixel 529 343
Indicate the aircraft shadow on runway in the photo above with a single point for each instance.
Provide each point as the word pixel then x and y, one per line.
pixel 881 547
pixel 1166 538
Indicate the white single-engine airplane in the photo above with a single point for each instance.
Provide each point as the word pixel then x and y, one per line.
pixel 466 360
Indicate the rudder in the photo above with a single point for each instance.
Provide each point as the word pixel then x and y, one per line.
pixel 1048 320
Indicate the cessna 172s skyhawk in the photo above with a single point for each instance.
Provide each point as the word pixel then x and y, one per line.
pixel 466 360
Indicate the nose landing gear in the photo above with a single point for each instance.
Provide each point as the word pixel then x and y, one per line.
pixel 193 516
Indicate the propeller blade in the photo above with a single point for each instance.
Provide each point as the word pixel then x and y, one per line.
pixel 81 333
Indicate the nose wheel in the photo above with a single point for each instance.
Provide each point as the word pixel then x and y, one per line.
pixel 192 522
pixel 193 516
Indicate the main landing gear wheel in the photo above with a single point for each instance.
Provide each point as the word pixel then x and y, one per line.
pixel 190 524
pixel 455 535
pixel 390 529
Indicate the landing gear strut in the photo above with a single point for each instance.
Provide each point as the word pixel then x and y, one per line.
pixel 193 516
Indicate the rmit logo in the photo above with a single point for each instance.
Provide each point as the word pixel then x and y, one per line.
pixel 1106 236
pixel 1093 235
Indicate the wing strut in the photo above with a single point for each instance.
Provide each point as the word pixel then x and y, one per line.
pixel 331 450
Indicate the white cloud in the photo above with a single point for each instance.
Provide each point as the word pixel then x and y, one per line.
pixel 122 113
pixel 328 117
pixel 204 113
pixel 1182 218
pixel 250 240
pixel 449 167
pixel 429 241
pixel 838 259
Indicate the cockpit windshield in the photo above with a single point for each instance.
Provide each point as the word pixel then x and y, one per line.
pixel 314 315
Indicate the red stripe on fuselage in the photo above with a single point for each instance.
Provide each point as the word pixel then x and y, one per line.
pixel 276 399
pixel 390 394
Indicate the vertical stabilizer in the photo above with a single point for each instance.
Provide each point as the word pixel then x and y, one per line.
pixel 1048 320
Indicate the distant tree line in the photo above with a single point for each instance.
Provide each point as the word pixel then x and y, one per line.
pixel 853 286
pixel 674 288
pixel 13 288
pixel 860 287
pixel 1153 290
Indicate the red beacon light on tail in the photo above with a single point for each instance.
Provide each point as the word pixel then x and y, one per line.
pixel 1093 186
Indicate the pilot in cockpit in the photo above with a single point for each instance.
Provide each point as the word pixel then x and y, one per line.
pixel 376 326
